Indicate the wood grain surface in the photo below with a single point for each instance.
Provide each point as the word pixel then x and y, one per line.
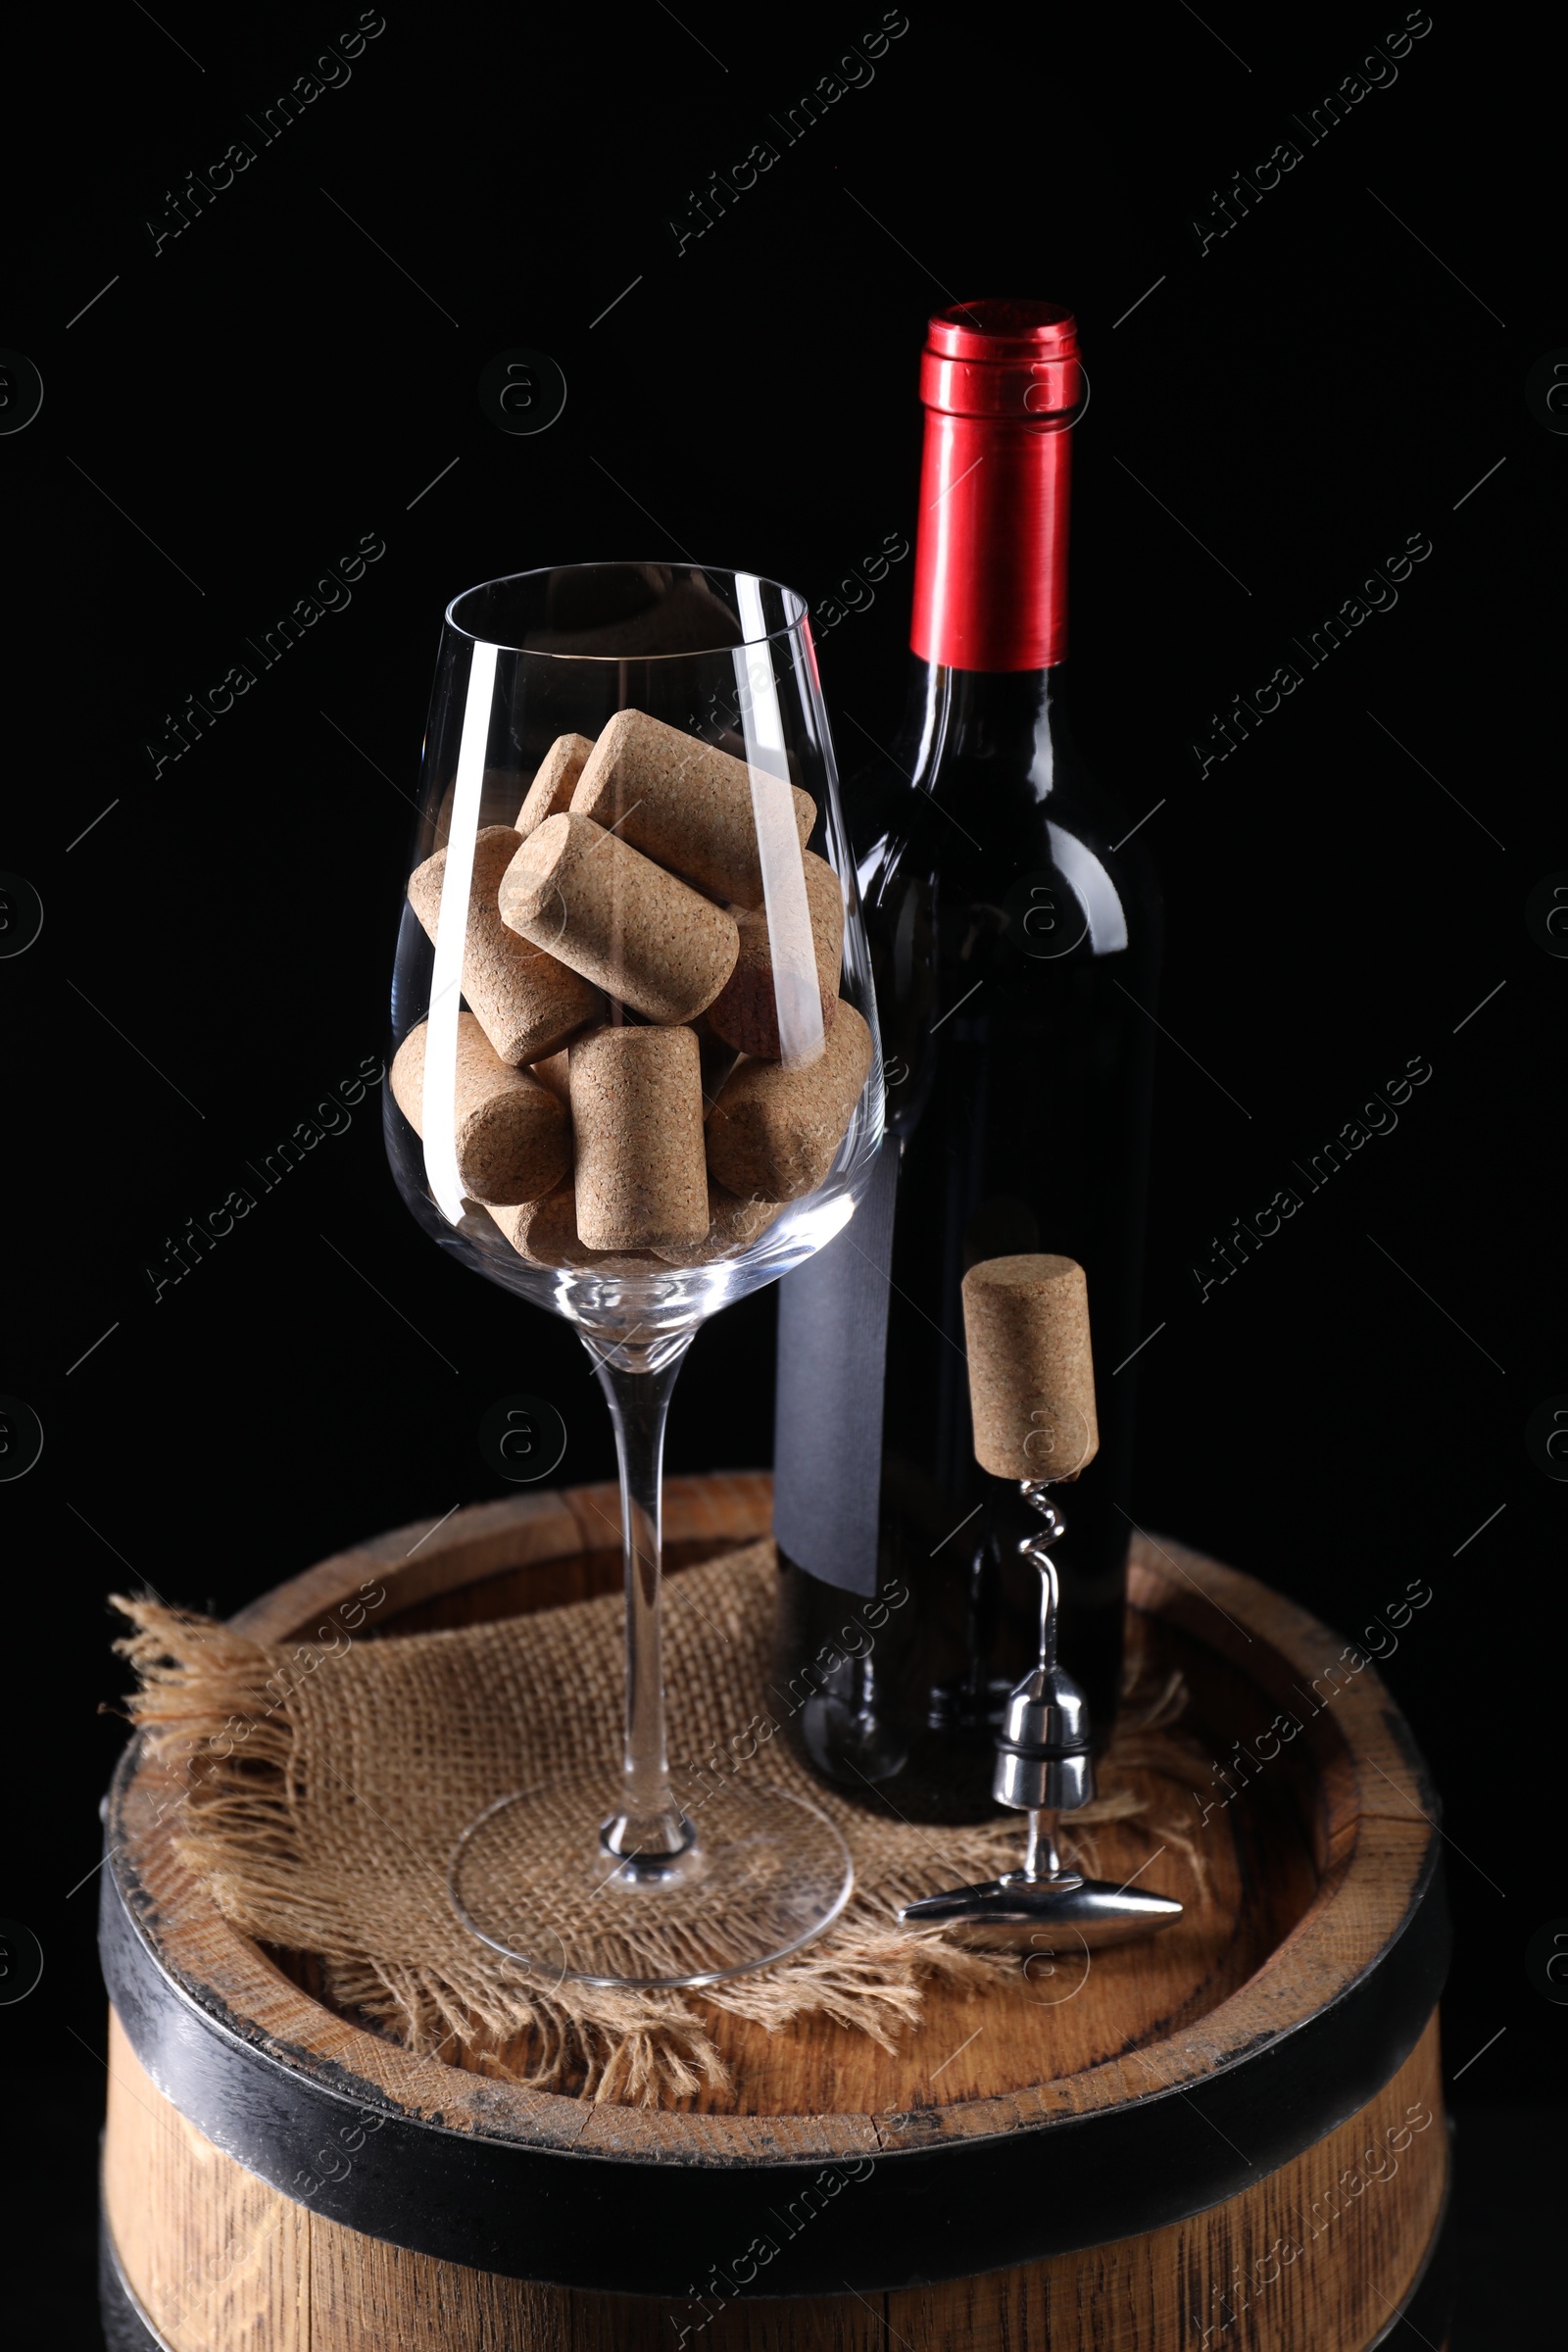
pixel 220 2262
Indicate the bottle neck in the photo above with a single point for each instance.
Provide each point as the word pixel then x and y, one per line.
pixel 991 551
pixel 955 717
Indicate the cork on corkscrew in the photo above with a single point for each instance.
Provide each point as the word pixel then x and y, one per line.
pixel 1031 1367
pixel 1032 1398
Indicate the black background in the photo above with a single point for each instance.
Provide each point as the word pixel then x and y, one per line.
pixel 1273 420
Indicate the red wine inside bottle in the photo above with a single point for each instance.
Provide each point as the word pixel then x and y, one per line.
pixel 1014 925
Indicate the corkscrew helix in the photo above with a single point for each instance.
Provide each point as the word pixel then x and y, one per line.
pixel 1036 1494
pixel 1027 1324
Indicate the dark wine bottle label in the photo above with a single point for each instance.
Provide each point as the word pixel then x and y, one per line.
pixel 827 1430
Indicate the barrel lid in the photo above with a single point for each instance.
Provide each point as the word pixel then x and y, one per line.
pixel 490 2174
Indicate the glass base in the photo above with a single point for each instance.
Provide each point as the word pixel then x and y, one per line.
pixel 764 1873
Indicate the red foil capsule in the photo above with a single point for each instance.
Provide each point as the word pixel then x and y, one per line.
pixel 1002 382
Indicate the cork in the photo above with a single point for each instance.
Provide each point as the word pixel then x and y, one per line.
pixel 774 1132
pixel 619 919
pixel 512 1136
pixel 545 1233
pixel 686 803
pixel 637 1114
pixel 745 1012
pixel 1031 1369
pixel 524 999
pixel 550 790
pixel 552 1072
pixel 732 1226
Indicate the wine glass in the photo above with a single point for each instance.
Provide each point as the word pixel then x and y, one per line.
pixel 636 1075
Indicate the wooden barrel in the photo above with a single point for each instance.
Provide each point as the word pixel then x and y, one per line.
pixel 1226 2140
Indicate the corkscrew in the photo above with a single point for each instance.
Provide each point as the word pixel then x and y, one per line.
pixel 1031 1384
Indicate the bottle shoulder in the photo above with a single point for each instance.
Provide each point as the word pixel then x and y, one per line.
pixel 978 835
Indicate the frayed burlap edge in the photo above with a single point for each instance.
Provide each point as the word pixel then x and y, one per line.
pixel 198 1679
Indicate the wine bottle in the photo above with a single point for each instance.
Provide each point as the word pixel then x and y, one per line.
pixel 1015 933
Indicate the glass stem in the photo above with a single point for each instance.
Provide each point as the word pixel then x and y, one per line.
pixel 650 1827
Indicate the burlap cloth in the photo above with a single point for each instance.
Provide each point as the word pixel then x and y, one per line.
pixel 326 1788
